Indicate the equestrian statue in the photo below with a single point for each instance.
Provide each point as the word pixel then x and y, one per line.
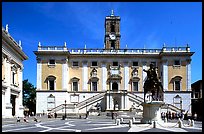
pixel 153 84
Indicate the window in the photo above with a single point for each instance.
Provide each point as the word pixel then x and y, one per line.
pixel 94 86
pixel 135 86
pixel 52 62
pixel 135 64
pixel 75 86
pixel 113 44
pixel 13 78
pixel 51 84
pixel 75 64
pixel 94 64
pixel 177 62
pixel 177 85
pixel 115 63
pixel 112 28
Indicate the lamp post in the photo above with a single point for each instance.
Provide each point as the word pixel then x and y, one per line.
pixel 86 110
pixel 65 116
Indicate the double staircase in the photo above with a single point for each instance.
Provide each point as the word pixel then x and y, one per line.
pixel 75 108
pixel 80 105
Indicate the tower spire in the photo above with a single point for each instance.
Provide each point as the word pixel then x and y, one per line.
pixel 112 13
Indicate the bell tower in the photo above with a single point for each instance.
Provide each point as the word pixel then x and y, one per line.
pixel 112 32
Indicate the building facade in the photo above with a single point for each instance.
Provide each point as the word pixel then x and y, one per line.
pixel 12 73
pixel 110 78
pixel 197 101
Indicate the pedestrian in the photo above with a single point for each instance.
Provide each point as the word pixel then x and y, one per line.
pixel 36 120
pixel 167 115
pixel 25 120
pixel 112 114
pixel 55 115
pixel 18 119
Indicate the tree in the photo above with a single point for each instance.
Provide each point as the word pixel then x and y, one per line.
pixel 29 96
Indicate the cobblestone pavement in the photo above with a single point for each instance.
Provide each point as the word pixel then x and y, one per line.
pixel 92 124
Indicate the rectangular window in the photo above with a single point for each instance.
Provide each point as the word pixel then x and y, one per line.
pixel 75 64
pixel 177 62
pixel 94 64
pixel 52 62
pixel 135 64
pixel 115 63
pixel 113 44
pixel 94 86
pixel 177 85
pixel 75 86
pixel 13 78
pixel 51 84
pixel 135 86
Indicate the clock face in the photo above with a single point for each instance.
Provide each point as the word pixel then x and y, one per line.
pixel 112 37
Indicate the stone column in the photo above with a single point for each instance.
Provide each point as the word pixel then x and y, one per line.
pixel 85 76
pixel 104 76
pixel 19 98
pixel 165 74
pixel 122 102
pixel 188 75
pixel 64 75
pixel 8 110
pixel 126 76
pixel 39 74
pixel 144 74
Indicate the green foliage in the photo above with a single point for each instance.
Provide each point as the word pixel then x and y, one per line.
pixel 29 96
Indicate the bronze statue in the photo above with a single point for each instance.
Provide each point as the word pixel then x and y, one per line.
pixel 153 84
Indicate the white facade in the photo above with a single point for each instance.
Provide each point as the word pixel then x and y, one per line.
pixel 12 67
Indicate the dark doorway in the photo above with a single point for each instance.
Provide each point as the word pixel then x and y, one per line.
pixel 13 103
pixel 115 86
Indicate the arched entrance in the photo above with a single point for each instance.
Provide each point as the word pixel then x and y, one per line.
pixel 115 86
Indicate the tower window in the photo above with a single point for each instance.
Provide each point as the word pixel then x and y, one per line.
pixel 112 28
pixel 113 44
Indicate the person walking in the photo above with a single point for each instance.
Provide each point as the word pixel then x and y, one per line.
pixel 18 119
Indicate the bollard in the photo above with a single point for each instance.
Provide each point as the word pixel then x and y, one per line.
pixel 40 115
pixel 154 124
pixel 189 122
pixel 192 123
pixel 180 124
pixel 117 121
pixel 133 119
pixel 121 119
pixel 130 123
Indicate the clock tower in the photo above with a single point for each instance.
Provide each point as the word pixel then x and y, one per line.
pixel 112 32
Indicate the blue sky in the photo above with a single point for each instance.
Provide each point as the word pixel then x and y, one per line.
pixel 143 24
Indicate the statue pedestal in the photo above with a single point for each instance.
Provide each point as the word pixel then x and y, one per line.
pixel 152 111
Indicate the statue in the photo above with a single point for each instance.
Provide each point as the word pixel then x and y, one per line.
pixel 153 84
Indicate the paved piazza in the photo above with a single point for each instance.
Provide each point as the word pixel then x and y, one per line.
pixel 91 125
